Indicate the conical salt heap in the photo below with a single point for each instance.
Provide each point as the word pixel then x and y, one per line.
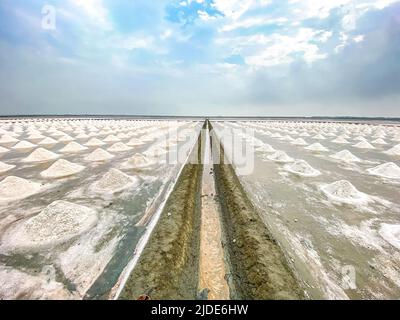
pixel 113 181
pixel 388 170
pixel 265 148
pixel 299 142
pixel 301 168
pixel 119 147
pixel 15 188
pixel 73 147
pixel 346 156
pixel 8 140
pixel 317 147
pixel 3 150
pixel 111 138
pixel 395 151
pixel 135 142
pixel 379 141
pixel 24 145
pixel 280 156
pixel 99 155
pixel 66 138
pixel 94 142
pixel 4 167
pixel 59 222
pixel 137 161
pixel 62 168
pixel 48 142
pixel 40 155
pixel 391 233
pixel 343 191
pixel 364 145
pixel 340 140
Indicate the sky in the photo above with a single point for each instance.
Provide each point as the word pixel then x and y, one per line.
pixel 200 57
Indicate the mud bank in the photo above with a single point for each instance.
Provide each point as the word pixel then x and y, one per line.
pixel 168 267
pixel 258 268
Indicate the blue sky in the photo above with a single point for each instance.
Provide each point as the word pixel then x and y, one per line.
pixel 200 57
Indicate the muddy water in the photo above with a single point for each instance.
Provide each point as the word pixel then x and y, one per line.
pixel 326 242
pixel 89 265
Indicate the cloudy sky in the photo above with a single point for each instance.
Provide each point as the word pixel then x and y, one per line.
pixel 200 57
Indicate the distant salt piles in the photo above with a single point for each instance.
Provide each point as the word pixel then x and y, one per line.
pixel 134 142
pixel 301 168
pixel 99 155
pixel 59 222
pixel 8 140
pixel 62 168
pixel 24 145
pixel 387 170
pixel 340 140
pixel 280 156
pixel 4 167
pixel 364 145
pixel 40 155
pixel 391 233
pixel 346 156
pixel 119 147
pixel 299 142
pixel 73 147
pixel 265 148
pixel 66 138
pixel 111 138
pixel 344 192
pixel 395 151
pixel 15 188
pixel 137 161
pixel 319 137
pixel 114 181
pixel 48 142
pixel 317 147
pixel 379 141
pixel 94 142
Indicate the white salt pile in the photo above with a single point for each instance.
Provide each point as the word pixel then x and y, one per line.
pixel 23 145
pixel 48 142
pixel 134 142
pixel 4 167
pixel 58 223
pixel 340 140
pixel 94 142
pixel 301 168
pixel 395 151
pixel 99 155
pixel 73 147
pixel 111 138
pixel 8 140
pixel 41 155
pixel 137 161
pixel 280 156
pixel 35 137
pixel 319 137
pixel 66 138
pixel 379 141
pixel 62 168
pixel 364 145
pixel 388 170
pixel 15 188
pixel 346 156
pixel 3 150
pixel 316 147
pixel 359 138
pixel 119 147
pixel 299 142
pixel 265 148
pixel 344 192
pixel 391 233
pixel 114 181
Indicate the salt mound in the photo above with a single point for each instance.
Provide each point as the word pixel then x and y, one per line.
pixel 41 155
pixel 62 168
pixel 135 142
pixel 265 148
pixel 94 142
pixel 340 140
pixel 58 223
pixel 15 188
pixel 302 168
pixel 47 142
pixel 4 167
pixel 345 155
pixel 317 147
pixel 137 161
pixel 119 147
pixel 299 142
pixel 395 151
pixel 379 141
pixel 388 170
pixel 363 145
pixel 7 139
pixel 343 191
pixel 113 181
pixel 319 137
pixel 391 233
pixel 66 138
pixel 23 145
pixel 99 155
pixel 73 147
pixel 111 138
pixel 3 150
pixel 35 137
pixel 280 156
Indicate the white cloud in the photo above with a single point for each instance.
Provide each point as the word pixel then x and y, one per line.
pixel 95 10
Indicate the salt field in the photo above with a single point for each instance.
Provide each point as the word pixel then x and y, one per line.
pixel 331 200
pixel 76 196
